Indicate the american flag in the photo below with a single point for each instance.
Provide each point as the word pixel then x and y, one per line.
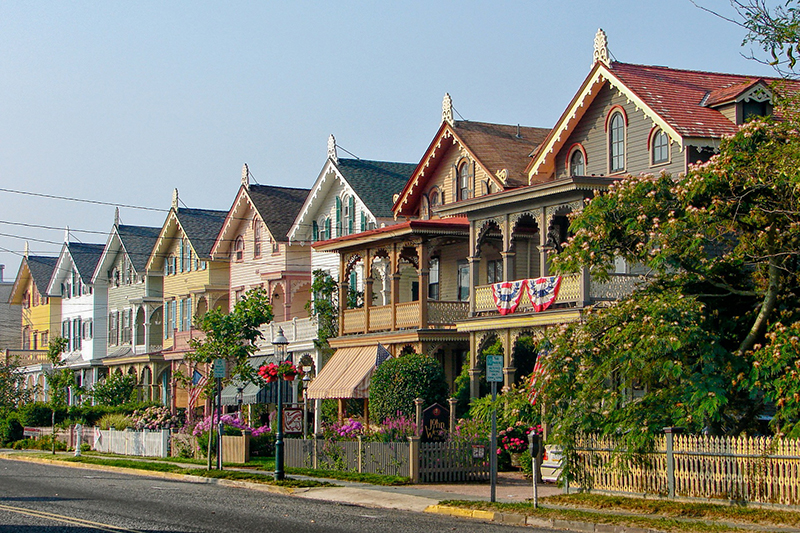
pixel 198 382
pixel 383 355
pixel 535 375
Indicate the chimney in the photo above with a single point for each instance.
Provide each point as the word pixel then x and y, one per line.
pixel 2 268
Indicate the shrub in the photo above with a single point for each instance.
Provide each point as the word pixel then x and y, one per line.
pixel 85 447
pixel 394 430
pixel 10 429
pixel 154 418
pixel 263 445
pixel 116 421
pixel 397 382
pixel 38 414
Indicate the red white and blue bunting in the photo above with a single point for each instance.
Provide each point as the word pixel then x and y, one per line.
pixel 543 291
pixel 507 295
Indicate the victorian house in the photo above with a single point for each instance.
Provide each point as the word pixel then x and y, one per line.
pixel 41 319
pixel 193 283
pixel 83 309
pixel 625 119
pixel 416 273
pixel 134 313
pixel 254 241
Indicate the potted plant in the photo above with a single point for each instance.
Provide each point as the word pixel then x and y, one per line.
pixel 288 371
pixel 269 372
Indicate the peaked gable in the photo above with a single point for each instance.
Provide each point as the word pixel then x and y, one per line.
pixel 200 226
pixel 137 242
pixel 39 268
pixel 82 257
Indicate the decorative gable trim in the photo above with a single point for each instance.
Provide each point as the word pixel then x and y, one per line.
pixel 544 160
pixel 167 234
pixel 757 93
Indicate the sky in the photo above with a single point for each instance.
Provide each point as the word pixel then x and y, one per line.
pixel 121 102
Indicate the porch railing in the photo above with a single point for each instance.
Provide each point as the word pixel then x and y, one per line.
pixel 407 315
pixel 27 357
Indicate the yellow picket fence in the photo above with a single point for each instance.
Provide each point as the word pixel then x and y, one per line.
pixel 747 469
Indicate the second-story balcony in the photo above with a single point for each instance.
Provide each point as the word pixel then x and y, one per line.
pixel 408 315
pixel 27 357
pixel 576 290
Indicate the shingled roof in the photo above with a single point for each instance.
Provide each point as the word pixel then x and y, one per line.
pixel 376 182
pixel 41 268
pixel 277 206
pixel 500 146
pixel 683 97
pixel 85 258
pixel 201 227
pixel 138 242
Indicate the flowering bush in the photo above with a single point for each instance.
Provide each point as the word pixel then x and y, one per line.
pixel 351 429
pixel 231 425
pixel 471 430
pixel 154 418
pixel 286 370
pixel 514 439
pixel 395 429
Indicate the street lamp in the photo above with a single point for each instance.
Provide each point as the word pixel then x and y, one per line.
pixel 279 342
pixel 306 382
pixel 239 400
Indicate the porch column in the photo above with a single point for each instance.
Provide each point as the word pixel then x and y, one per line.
pixel 543 229
pixel 287 300
pixel 474 372
pixel 424 271
pixel 474 280
pixel 507 254
pixel 366 261
pixel 509 370
pixel 343 286
pixel 395 281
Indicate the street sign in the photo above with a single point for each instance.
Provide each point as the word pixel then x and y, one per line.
pixel 494 368
pixel 219 368
pixel 31 432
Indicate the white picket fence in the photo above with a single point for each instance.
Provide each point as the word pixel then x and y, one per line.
pixel 142 443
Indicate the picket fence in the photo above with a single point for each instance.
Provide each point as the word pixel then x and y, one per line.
pixel 746 469
pixel 423 462
pixel 142 443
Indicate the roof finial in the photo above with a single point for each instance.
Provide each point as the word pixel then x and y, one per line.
pixel 116 216
pixel 27 249
pixel 66 234
pixel 447 109
pixel 332 149
pixel 601 48
pixel 245 176
pixel 175 198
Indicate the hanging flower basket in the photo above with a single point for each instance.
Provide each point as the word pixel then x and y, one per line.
pixel 287 377
pixel 286 370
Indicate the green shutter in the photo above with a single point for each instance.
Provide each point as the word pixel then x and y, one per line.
pixel 314 231
pixel 363 221
pixel 338 217
pixel 328 228
pixel 351 224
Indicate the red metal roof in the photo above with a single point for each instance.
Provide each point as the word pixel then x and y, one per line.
pixel 454 223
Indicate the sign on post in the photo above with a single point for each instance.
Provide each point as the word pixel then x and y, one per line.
pixel 435 420
pixel 31 432
pixel 220 368
pixel 494 368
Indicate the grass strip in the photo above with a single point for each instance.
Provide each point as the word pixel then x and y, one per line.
pixel 374 479
pixel 658 523
pixel 673 509
pixel 264 463
pixel 156 466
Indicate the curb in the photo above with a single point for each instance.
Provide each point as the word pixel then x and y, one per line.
pixel 153 473
pixel 517 519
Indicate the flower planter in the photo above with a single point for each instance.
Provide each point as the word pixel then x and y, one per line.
pixel 288 378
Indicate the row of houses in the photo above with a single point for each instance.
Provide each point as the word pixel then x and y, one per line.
pixel 426 255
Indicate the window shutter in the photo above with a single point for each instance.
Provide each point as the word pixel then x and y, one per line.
pixel 338 217
pixel 314 231
pixel 363 221
pixel 328 228
pixel 351 224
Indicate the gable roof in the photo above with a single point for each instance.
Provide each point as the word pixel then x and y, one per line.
pixel 41 268
pixel 678 101
pixel 138 242
pixel 85 258
pixel 201 227
pixel 277 206
pixel 495 147
pixel 376 182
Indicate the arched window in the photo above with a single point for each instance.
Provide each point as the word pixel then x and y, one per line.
pixel 660 148
pixel 238 250
pixel 577 163
pixel 616 143
pixel 433 198
pixel 463 180
pixel 256 238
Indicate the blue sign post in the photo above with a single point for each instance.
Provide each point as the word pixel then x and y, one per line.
pixel 494 375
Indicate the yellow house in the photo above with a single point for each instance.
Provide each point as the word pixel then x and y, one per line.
pixel 41 317
pixel 193 283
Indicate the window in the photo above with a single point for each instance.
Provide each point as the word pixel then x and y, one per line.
pixel 238 249
pixel 88 329
pixel 172 261
pixel 275 246
pixel 26 300
pixel 173 315
pixel 45 339
pixel 256 238
pixel 616 143
pixel 113 328
pixel 463 281
pixel 314 231
pixel 36 298
pixel 26 338
pixel 187 256
pixel 660 148
pixel 76 334
pixel 433 279
pixel 433 198
pixel 494 271
pixel 577 164
pixel 338 217
pixel 463 180
pixel 126 326
pixel 351 215
pixel 328 230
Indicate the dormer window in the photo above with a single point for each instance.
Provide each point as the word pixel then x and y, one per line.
pixel 616 142
pixel 238 250
pixel 659 150
pixel 753 109
pixel 433 197
pixel 577 162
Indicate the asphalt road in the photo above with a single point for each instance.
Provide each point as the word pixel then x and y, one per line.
pixel 38 498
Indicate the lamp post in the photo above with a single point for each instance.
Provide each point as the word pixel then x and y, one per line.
pixel 239 400
pixel 279 342
pixel 306 381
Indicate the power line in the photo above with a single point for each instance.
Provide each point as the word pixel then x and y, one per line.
pixel 71 199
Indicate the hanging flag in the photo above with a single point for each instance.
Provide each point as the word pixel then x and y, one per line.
pixel 198 382
pixel 535 375
pixel 543 291
pixel 507 295
pixel 383 355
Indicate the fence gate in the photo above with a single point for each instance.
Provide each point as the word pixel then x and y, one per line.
pixel 453 461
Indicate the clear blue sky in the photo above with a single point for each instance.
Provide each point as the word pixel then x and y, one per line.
pixel 123 101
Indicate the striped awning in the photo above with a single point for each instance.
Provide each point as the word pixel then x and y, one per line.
pixel 346 375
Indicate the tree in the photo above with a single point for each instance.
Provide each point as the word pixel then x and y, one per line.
pixel 710 341
pixel 59 380
pixel 115 389
pixel 13 391
pixel 399 381
pixel 232 336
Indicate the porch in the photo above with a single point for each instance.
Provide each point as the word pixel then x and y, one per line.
pixel 408 315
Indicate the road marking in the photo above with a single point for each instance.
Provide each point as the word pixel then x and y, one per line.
pixel 66 519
